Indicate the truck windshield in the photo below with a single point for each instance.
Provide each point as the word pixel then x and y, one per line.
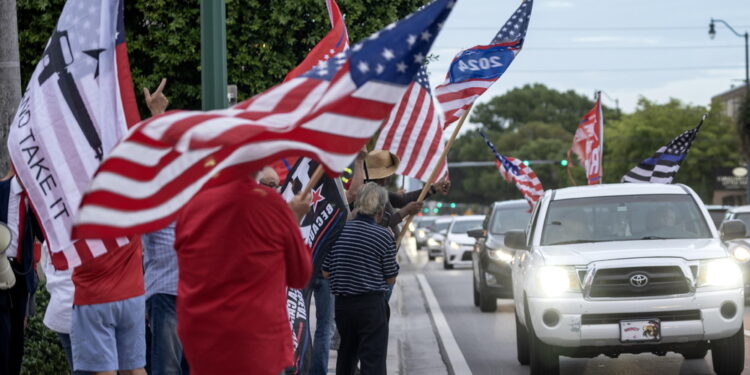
pixel 510 219
pixel 623 218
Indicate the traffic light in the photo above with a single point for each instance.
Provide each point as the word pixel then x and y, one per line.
pixel 453 205
pixel 564 162
pixel 435 210
pixel 426 210
pixel 526 163
pixel 439 205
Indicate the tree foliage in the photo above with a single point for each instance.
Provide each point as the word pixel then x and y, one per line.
pixel 265 39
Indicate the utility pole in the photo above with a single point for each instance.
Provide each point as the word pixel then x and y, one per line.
pixel 10 76
pixel 213 54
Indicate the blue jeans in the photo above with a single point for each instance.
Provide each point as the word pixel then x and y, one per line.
pixel 65 343
pixel 324 325
pixel 166 348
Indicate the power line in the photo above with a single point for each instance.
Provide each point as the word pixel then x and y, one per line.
pixel 596 28
pixel 604 48
pixel 614 70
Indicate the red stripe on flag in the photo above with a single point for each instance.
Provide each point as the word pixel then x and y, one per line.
pixel 416 111
pixel 392 126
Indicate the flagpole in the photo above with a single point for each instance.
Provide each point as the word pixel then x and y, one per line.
pixel 435 171
pixel 317 175
pixel 601 138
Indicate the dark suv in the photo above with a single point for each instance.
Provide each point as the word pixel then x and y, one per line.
pixel 490 258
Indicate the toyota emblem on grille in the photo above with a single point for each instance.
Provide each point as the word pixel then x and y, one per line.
pixel 639 280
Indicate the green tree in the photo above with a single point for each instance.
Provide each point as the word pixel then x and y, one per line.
pixel 637 136
pixel 535 102
pixel 265 39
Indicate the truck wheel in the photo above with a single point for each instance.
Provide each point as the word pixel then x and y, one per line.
pixel 697 353
pixel 446 265
pixel 728 355
pixel 487 301
pixel 522 343
pixel 476 292
pixel 543 358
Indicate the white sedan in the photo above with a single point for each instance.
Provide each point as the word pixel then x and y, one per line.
pixel 457 245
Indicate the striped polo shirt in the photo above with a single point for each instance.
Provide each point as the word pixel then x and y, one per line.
pixel 362 258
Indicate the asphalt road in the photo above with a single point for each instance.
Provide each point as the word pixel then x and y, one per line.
pixel 487 340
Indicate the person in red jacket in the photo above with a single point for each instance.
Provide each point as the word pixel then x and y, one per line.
pixel 238 247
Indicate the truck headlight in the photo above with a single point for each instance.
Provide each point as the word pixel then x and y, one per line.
pixel 556 280
pixel 741 254
pixel 501 255
pixel 720 272
pixel 455 246
pixel 433 242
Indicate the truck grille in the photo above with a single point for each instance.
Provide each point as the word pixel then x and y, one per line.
pixel 664 316
pixel 615 282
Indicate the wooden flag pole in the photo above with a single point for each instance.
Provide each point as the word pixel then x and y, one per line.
pixel 317 175
pixel 434 173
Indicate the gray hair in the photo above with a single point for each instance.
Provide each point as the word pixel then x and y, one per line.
pixel 371 199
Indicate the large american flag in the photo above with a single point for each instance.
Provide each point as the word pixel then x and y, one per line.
pixel 662 166
pixel 327 114
pixel 78 104
pixel 335 42
pixel 474 70
pixel 515 171
pixel 414 132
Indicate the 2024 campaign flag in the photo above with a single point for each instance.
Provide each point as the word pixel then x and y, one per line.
pixel 327 114
pixel 588 142
pixel 77 105
pixel 474 70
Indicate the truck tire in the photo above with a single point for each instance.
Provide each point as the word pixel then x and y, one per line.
pixel 487 301
pixel 522 343
pixel 728 355
pixel 543 359
pixel 446 265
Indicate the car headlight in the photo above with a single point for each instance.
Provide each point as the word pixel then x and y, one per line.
pixel 720 273
pixel 501 255
pixel 454 245
pixel 556 280
pixel 741 254
pixel 433 242
pixel 420 232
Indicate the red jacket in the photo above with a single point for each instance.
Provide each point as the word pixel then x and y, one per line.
pixel 238 247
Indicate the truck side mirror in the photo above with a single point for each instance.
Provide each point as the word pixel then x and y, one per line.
pixel 476 233
pixel 732 230
pixel 516 239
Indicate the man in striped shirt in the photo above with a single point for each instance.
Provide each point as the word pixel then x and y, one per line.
pixel 361 265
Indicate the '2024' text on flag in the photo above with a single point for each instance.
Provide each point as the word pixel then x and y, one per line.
pixel 327 114
pixel 515 171
pixel 77 105
pixel 588 143
pixel 474 70
pixel 414 132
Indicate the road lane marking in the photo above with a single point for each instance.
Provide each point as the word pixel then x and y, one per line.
pixel 747 333
pixel 455 357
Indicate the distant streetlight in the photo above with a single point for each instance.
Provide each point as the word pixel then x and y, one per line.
pixel 712 34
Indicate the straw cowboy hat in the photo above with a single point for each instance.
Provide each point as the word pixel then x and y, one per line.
pixel 380 164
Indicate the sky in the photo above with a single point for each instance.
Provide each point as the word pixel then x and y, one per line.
pixel 657 49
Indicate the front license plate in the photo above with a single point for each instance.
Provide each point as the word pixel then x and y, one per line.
pixel 640 330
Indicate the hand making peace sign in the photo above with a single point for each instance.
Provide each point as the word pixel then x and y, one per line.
pixel 157 103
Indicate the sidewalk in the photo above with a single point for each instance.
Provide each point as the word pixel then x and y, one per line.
pixel 413 347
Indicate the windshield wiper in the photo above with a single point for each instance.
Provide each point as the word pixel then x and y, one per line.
pixel 656 238
pixel 573 242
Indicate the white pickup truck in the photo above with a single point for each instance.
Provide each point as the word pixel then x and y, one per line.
pixel 626 268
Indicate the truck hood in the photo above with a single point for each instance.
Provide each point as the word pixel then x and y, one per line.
pixel 585 253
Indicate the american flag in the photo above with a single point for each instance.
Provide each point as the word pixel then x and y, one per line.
pixel 327 114
pixel 78 104
pixel 335 42
pixel 663 165
pixel 515 171
pixel 474 70
pixel 414 132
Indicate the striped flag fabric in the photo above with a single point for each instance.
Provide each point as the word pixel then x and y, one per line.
pixel 588 142
pixel 326 114
pixel 515 171
pixel 474 70
pixel 414 132
pixel 662 166
pixel 78 104
pixel 335 42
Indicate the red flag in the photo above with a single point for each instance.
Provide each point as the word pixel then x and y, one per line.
pixel 588 142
